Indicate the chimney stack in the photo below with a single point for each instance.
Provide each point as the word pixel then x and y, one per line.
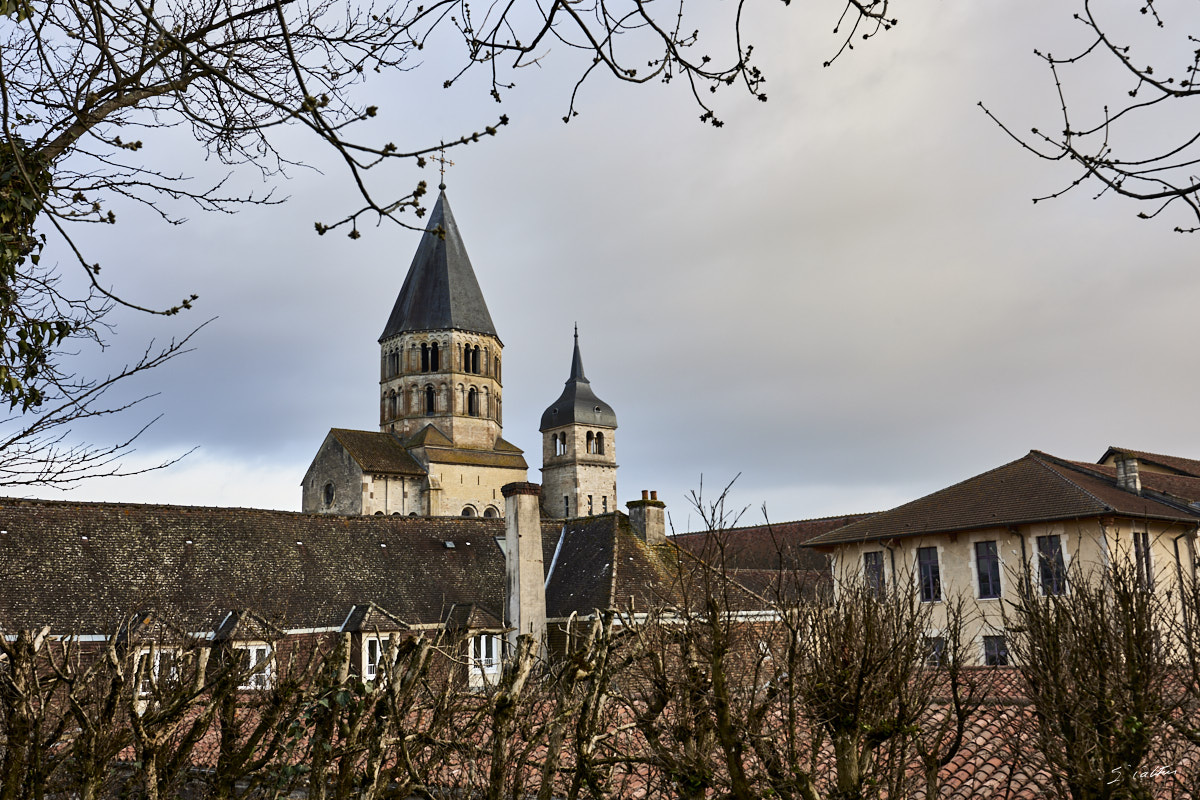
pixel 525 579
pixel 1127 474
pixel 648 518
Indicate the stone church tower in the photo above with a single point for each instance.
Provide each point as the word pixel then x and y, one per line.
pixel 578 449
pixel 438 451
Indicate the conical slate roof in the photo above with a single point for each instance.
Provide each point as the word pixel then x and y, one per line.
pixel 578 403
pixel 440 291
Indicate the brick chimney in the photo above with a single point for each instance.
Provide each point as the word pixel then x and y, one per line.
pixel 524 577
pixel 648 518
pixel 1127 474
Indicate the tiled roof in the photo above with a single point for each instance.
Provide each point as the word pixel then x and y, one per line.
pixel 772 546
pixel 429 436
pixel 1182 488
pixel 1184 466
pixel 769 560
pixel 377 453
pixel 1035 488
pixel 599 562
pixel 476 458
pixel 83 566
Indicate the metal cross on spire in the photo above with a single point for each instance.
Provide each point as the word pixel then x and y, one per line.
pixel 441 159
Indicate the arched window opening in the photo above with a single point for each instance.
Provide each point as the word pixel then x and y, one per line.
pixel 393 406
pixel 591 443
pixel 486 410
pixel 429 405
pixel 434 364
pixel 468 512
pixel 486 361
pixel 497 369
pixel 600 444
pixel 424 357
pixel 461 402
pixel 466 358
pixel 328 494
pixel 475 360
pixel 379 513
pixel 473 402
pixel 491 513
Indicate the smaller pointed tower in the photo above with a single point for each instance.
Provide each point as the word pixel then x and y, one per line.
pixel 579 472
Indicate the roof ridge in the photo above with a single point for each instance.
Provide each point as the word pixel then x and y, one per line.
pixel 616 560
pixel 772 524
pixel 1037 456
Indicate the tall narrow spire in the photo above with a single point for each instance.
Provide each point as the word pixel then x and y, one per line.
pixel 577 361
pixel 440 291
pixel 578 403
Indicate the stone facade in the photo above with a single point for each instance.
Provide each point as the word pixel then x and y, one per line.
pixel 448 378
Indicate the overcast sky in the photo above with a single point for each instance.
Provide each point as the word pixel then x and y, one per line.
pixel 845 294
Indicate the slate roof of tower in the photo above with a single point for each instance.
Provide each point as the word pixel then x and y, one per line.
pixel 578 403
pixel 440 291
pixel 1035 488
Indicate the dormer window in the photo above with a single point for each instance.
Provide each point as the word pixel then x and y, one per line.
pixel 158 669
pixel 485 657
pixel 256 666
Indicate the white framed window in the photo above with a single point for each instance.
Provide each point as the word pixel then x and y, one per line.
pixel 256 665
pixel 372 650
pixel 486 654
pixel 158 669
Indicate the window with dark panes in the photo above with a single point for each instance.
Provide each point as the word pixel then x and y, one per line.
pixel 987 568
pixel 1052 571
pixel 1141 555
pixel 995 651
pixel 929 574
pixel 873 571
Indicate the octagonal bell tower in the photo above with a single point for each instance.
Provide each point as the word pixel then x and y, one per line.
pixel 579 472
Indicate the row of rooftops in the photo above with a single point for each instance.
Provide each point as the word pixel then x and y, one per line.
pixel 82 567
